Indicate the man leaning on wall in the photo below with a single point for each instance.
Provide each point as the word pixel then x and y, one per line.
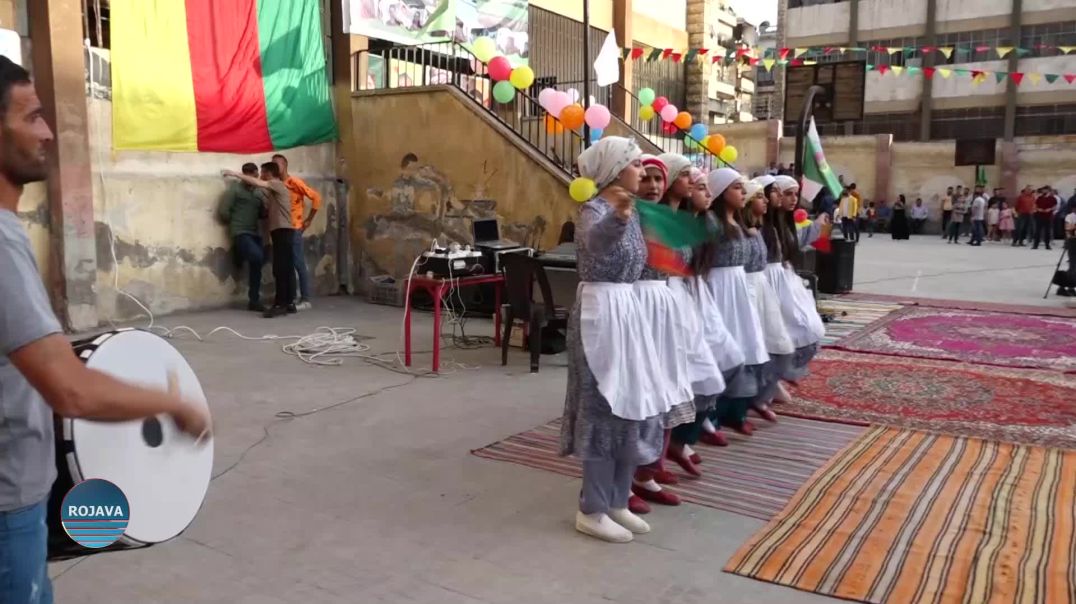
pixel 242 208
pixel 299 190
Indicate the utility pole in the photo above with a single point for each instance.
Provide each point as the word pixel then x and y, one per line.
pixel 586 69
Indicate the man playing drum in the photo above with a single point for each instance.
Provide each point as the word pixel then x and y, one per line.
pixel 39 372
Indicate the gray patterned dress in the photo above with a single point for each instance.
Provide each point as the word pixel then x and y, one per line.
pixel 611 250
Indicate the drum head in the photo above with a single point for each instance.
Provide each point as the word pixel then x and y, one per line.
pixel 160 469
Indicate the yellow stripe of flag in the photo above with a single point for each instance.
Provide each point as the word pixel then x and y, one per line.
pixel 153 90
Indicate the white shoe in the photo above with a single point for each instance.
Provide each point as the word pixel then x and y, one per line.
pixel 630 521
pixel 303 305
pixel 602 527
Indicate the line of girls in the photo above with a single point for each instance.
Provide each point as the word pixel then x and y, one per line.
pixel 657 363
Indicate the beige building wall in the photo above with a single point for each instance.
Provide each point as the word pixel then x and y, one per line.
pixel 749 138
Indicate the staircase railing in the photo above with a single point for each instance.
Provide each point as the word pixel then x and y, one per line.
pixel 449 63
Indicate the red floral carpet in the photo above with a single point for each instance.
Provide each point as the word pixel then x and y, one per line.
pixel 1007 340
pixel 1013 405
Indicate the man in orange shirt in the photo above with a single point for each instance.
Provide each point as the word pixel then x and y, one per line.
pixel 1025 207
pixel 299 189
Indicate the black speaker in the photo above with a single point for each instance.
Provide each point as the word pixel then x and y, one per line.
pixel 836 270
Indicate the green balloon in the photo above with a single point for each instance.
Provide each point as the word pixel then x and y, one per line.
pixel 504 92
pixel 646 96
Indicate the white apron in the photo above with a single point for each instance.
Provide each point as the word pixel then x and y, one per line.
pixel 658 306
pixel 774 331
pixel 726 352
pixel 703 369
pixel 797 305
pixel 728 286
pixel 618 351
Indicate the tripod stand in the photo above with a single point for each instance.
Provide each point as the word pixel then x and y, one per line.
pixel 1053 278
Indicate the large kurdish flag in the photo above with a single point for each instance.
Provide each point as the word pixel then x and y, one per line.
pixel 236 76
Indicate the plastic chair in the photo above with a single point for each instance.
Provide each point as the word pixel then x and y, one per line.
pixel 520 273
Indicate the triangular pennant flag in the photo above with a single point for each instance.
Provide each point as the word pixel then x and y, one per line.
pixel 625 53
pixel 810 62
pixel 768 64
pixel 740 52
pixel 665 54
pixel 962 71
pixel 897 69
pixel 1034 77
pixel 691 54
pixel 1017 77
pixel 1066 49
pixel 947 51
pixel 975 81
pixel 843 49
pixel 654 55
pixel 869 67
pixel 928 72
pixel 703 51
pixel 636 53
pixel 1050 77
pixel 800 52
pixel 982 48
pixel 882 69
pixel 784 53
pixel 1022 52
pixel 796 62
pixel 1003 51
pixel 928 49
pixel 945 72
pixel 676 57
pixel 1070 77
pixel 715 58
pixel 1000 76
pixel 893 49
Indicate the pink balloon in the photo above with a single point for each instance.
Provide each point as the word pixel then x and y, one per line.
pixel 597 116
pixel 659 103
pixel 557 102
pixel 669 112
pixel 500 69
pixel 544 97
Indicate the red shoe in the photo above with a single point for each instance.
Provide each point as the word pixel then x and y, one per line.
pixel 767 414
pixel 696 459
pixel 714 439
pixel 746 428
pixel 637 505
pixel 662 497
pixel 666 477
pixel 684 463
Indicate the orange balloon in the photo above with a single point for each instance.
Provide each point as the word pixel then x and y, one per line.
pixel 572 116
pixel 683 120
pixel 716 144
pixel 552 126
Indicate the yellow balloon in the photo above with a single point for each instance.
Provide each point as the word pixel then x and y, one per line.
pixel 582 189
pixel 646 113
pixel 522 77
pixel 729 154
pixel 484 49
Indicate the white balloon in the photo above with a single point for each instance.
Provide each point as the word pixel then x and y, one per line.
pixel 573 96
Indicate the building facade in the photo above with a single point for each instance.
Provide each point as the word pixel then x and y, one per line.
pixel 913 107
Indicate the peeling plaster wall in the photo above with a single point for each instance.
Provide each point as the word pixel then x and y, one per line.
pixel 34 212
pixel 466 169
pixel 158 211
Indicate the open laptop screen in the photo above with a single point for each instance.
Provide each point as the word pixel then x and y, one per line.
pixel 486 230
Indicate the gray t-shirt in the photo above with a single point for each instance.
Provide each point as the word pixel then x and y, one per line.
pixel 279 206
pixel 978 208
pixel 27 457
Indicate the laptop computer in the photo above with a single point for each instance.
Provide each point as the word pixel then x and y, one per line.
pixel 487 234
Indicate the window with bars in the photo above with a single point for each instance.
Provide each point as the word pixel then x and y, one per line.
pixel 1043 120
pixel 970 122
pixel 1042 38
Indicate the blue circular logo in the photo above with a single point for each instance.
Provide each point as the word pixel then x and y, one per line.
pixel 95 513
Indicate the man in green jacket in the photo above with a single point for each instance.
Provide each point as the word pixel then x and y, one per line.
pixel 242 207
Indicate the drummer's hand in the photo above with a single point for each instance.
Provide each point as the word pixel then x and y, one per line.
pixel 189 417
pixel 621 200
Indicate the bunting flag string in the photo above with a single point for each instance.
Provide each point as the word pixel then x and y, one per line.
pixel 782 54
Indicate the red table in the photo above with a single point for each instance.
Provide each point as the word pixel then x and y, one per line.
pixel 437 288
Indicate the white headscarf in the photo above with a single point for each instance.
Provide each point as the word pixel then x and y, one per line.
pixel 677 165
pixel 603 161
pixel 765 180
pixel 697 175
pixel 785 183
pixel 752 187
pixel 720 179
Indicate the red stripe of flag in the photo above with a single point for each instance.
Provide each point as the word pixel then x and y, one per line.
pixel 226 67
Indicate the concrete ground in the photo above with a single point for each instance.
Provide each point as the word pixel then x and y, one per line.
pixel 927 267
pixel 380 500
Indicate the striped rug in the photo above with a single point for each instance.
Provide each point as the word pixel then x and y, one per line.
pixel 850 316
pixel 754 476
pixel 909 517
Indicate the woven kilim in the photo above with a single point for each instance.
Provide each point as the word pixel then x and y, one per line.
pixel 849 317
pixel 912 517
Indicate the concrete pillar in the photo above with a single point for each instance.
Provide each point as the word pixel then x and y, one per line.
pixel 697 76
pixel 926 105
pixel 1015 23
pixel 59 72
pixel 778 111
pixel 1010 169
pixel 883 163
pixel 773 141
pixel 622 25
pixel 853 40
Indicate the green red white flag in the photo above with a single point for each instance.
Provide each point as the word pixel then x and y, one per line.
pixel 816 172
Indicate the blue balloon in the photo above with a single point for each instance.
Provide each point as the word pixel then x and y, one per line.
pixel 699 132
pixel 595 134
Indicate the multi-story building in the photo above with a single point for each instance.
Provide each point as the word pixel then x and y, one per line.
pixel 913 107
pixel 766 100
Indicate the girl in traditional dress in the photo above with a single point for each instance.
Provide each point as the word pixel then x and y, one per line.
pixel 616 399
pixel 778 342
pixel 720 262
pixel 784 242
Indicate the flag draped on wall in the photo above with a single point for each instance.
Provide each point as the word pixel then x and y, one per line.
pixel 235 76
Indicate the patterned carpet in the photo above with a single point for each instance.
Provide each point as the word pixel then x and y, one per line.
pixel 1012 405
pixel 793 449
pixel 910 517
pixel 977 337
pixel 850 316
